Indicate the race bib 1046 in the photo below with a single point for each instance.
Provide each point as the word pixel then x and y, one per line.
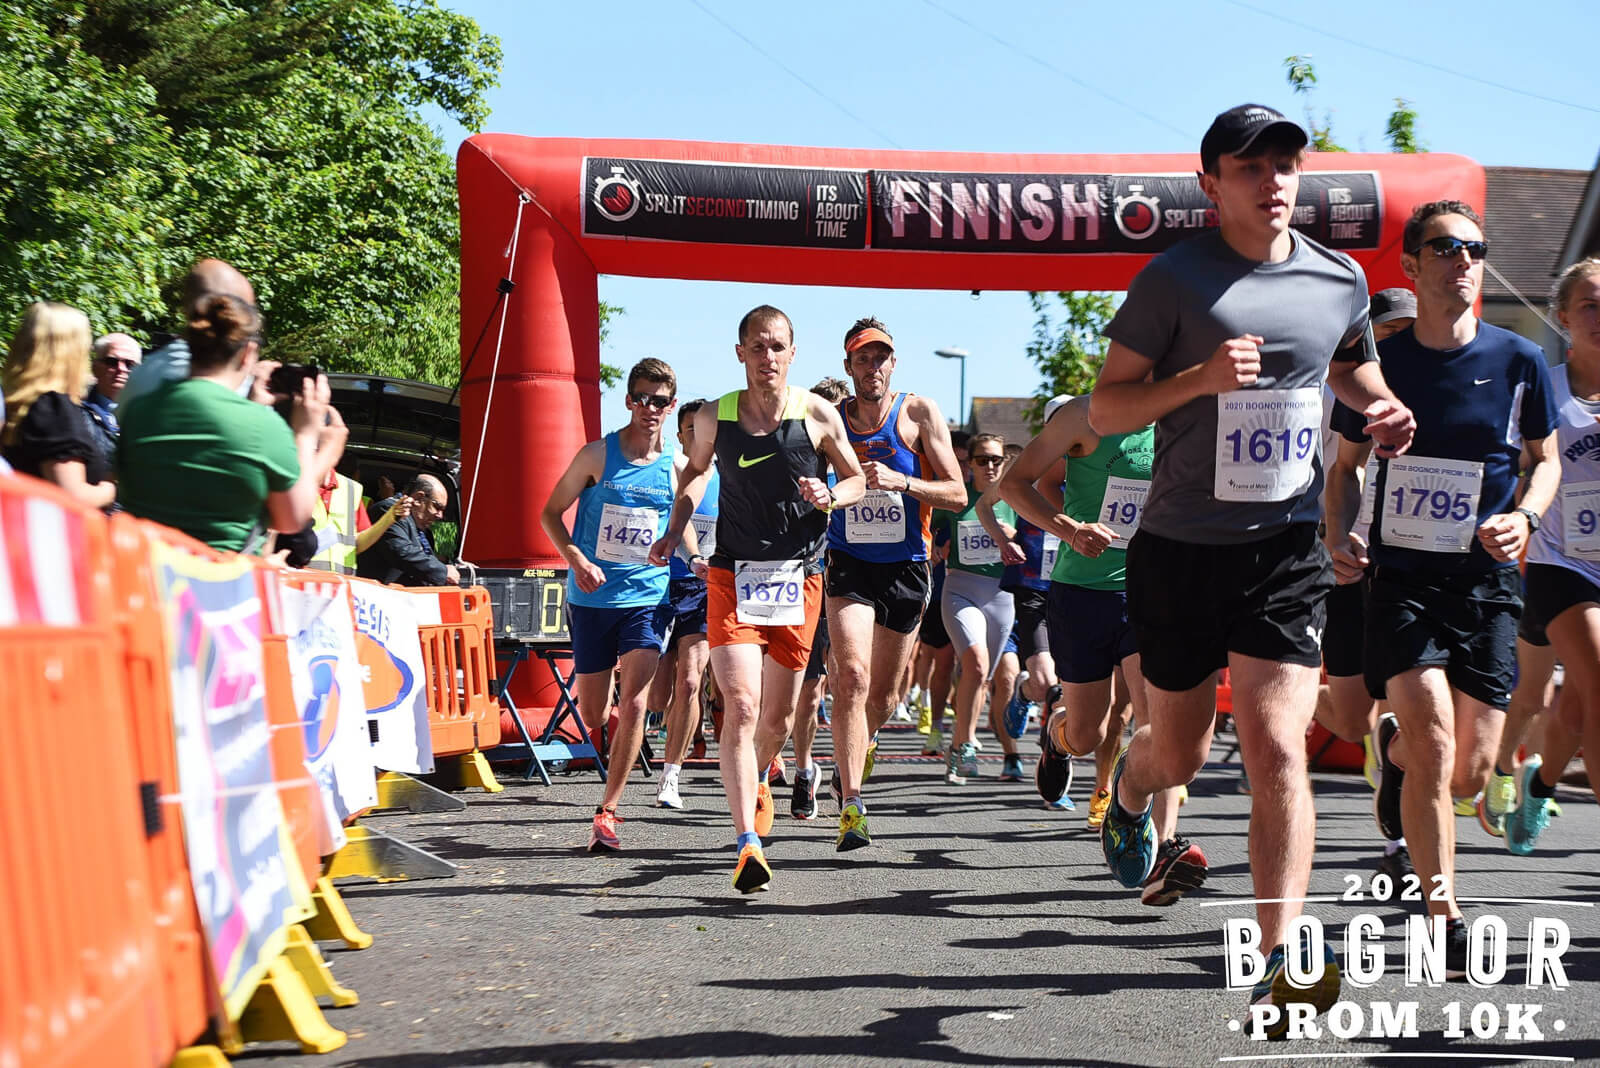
pixel 1123 504
pixel 878 518
pixel 626 534
pixel 1431 504
pixel 975 544
pixel 770 593
pixel 1266 442
pixel 1580 520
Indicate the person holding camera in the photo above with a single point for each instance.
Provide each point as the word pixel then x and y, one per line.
pixel 199 456
pixel 404 553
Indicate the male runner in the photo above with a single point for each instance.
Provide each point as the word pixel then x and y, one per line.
pixel 1107 480
pixel 617 596
pixel 772 444
pixel 687 651
pixel 1445 594
pixel 877 555
pixel 1224 342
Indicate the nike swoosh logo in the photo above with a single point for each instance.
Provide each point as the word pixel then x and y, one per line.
pixel 1480 381
pixel 745 461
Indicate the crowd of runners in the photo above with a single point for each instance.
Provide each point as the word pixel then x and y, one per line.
pixel 1369 510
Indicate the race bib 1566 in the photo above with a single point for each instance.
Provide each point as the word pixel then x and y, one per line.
pixel 975 544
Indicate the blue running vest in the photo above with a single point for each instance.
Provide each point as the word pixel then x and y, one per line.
pixel 878 515
pixel 614 528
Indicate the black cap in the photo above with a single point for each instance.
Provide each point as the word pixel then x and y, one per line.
pixel 1391 304
pixel 1236 129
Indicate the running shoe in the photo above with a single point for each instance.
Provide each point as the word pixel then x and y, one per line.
pixel 1455 948
pixel 777 772
pixel 969 760
pixel 1128 841
pixel 1466 806
pixel 1275 988
pixel 924 717
pixel 902 714
pixel 667 795
pixel 1062 803
pixel 1053 772
pixel 1016 717
pixel 1397 865
pixel 752 872
pixel 803 803
pixel 1180 867
pixel 1011 771
pixel 698 750
pixel 1526 822
pixel 763 825
pixel 1386 801
pixel 934 746
pixel 835 790
pixel 872 760
pixel 603 836
pixel 853 833
pixel 1499 797
pixel 1098 804
pixel 1369 761
pixel 1183 795
pixel 952 768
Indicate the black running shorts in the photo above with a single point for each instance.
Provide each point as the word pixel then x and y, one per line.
pixel 1029 628
pixel 817 666
pixel 1466 624
pixel 1344 637
pixel 1549 590
pixel 1191 605
pixel 898 593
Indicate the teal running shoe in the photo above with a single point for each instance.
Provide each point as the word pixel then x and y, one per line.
pixel 1129 842
pixel 1275 988
pixel 1526 822
pixel 853 833
pixel 1016 717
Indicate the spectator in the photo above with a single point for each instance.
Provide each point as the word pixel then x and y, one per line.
pixel 115 357
pixel 197 455
pixel 170 362
pixel 46 433
pixel 340 529
pixel 404 554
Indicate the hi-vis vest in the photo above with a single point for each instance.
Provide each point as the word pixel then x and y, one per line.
pixel 336 530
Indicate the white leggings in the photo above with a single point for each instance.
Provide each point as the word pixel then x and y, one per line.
pixel 976 612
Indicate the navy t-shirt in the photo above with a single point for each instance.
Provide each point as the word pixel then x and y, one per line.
pixel 1475 403
pixel 1027 575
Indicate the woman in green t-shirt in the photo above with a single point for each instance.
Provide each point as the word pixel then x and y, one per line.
pixel 977 612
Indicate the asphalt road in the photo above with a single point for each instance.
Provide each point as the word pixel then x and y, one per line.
pixel 978 929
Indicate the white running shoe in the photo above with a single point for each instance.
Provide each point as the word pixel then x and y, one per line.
pixel 667 795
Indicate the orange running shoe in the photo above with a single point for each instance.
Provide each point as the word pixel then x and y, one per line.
pixel 1098 805
pixel 603 837
pixel 763 810
pixel 753 873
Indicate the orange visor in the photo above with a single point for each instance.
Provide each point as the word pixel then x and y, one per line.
pixel 867 337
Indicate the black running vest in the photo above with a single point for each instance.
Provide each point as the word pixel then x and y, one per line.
pixel 761 514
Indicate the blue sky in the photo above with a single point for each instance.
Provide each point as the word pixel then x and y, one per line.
pixel 1061 77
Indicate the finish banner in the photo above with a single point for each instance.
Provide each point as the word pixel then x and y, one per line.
pixel 946 211
pixel 724 203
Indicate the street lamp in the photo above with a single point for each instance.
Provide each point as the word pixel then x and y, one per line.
pixel 958 354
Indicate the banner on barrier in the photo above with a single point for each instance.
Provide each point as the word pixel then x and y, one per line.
pixel 247 882
pixel 329 695
pixel 392 673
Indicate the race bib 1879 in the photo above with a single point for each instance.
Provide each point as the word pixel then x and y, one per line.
pixel 1123 504
pixel 1431 504
pixel 1266 441
pixel 626 534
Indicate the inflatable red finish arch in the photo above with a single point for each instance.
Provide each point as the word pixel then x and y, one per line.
pixel 552 214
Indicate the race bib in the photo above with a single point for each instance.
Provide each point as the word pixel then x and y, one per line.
pixel 1431 505
pixel 1369 496
pixel 770 593
pixel 878 518
pixel 1047 561
pixel 1266 440
pixel 705 529
pixel 1580 520
pixel 1123 504
pixel 975 544
pixel 626 534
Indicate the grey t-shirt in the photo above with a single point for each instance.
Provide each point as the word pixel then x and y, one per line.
pixel 1185 303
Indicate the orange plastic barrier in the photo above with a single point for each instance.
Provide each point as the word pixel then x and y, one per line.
pixel 79 976
pixel 458 655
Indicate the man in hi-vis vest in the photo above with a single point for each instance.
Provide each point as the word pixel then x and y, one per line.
pixel 342 527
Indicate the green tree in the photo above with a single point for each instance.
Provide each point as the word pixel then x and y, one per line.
pixel 1067 344
pixel 610 373
pixel 282 135
pixel 1400 131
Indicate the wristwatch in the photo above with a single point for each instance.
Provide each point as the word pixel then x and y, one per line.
pixel 1532 516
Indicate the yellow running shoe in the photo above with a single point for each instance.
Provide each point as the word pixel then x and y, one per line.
pixel 924 717
pixel 1466 806
pixel 1098 804
pixel 763 810
pixel 872 758
pixel 1369 764
pixel 853 833
pixel 1183 795
pixel 752 873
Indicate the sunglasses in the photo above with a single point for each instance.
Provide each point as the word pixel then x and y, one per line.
pixel 119 361
pixel 988 459
pixel 656 401
pixel 1448 247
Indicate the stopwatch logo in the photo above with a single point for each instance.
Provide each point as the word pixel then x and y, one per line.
pixel 1137 215
pixel 616 197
